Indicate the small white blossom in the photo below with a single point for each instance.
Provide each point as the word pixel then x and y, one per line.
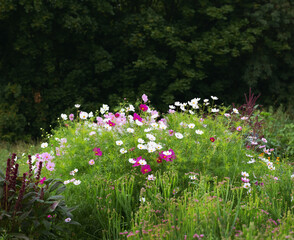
pixel 214 98
pixel 151 177
pixel 77 105
pixel 179 135
pixel 123 151
pixel 141 146
pixel 44 145
pixel 140 140
pixel 214 110
pixel 64 116
pixel 235 110
pixel 132 160
pixel 119 143
pixel 199 132
pixel 191 125
pixel 130 130
pixel 77 182
pixel 84 115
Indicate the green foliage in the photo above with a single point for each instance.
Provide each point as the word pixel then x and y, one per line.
pixel 279 130
pixel 199 192
pixel 56 54
pixel 32 208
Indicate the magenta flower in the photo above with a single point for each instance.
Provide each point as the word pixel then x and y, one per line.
pixel 111 124
pixel 143 107
pixel 137 161
pixel 117 115
pixel 145 169
pixel 97 151
pixel 71 117
pixel 167 155
pixel 137 117
pixel 171 132
pixel 42 180
pixel 145 98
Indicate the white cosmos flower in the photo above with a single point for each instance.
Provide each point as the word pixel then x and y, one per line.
pixel 151 149
pixel 182 107
pixel 147 129
pixel 199 132
pixel 83 115
pixel 77 105
pixel 123 151
pixel 44 145
pixel 193 177
pixel 154 125
pixel 140 140
pixel 292 176
pixel 191 112
pixel 244 174
pixel 167 153
pixel 64 116
pixel 91 114
pixel 251 161
pixel 138 122
pixel 179 135
pixel 227 114
pixel 150 137
pixel 142 162
pixel 141 146
pixel 172 107
pixel 162 126
pixel 119 143
pixel 177 104
pixel 206 100
pixel 191 125
pixel 130 130
pixel 132 160
pixel 235 110
pixel 142 199
pixel 66 182
pixel 77 182
pixel 158 146
pixel 214 98
pixel 151 177
pixel 214 110
pixel 130 108
pixel 246 185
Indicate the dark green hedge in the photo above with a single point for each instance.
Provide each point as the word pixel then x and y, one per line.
pixel 57 53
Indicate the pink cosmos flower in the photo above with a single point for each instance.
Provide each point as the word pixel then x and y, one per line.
pixel 49 216
pixel 171 111
pixel 144 97
pixel 71 117
pixel 91 162
pixel 97 151
pixel 137 117
pixel 117 115
pixel 42 180
pixel 143 107
pixel 50 166
pixel 145 169
pixel 239 128
pixel 100 121
pixel 171 132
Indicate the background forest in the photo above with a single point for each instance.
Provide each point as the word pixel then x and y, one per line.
pixel 54 54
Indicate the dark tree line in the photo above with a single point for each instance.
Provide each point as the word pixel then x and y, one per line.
pixel 54 54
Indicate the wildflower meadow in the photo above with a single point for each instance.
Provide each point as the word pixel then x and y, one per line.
pixel 201 170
